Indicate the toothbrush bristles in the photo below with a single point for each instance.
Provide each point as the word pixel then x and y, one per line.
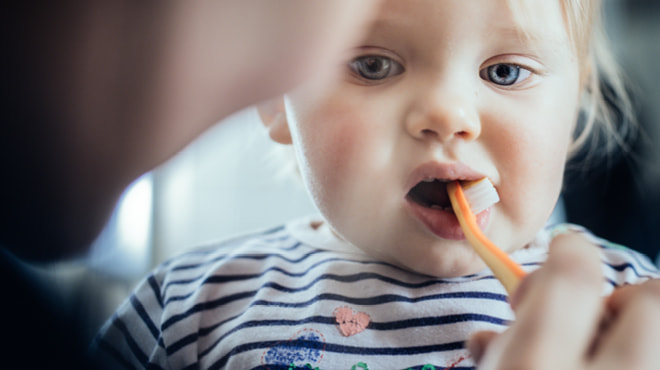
pixel 480 194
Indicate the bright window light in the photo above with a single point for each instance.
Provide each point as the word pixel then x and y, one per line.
pixel 134 219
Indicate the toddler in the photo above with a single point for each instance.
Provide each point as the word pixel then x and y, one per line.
pixel 383 278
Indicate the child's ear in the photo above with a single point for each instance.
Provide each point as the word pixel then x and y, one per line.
pixel 273 116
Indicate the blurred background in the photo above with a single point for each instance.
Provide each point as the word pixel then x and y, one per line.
pixel 233 180
pixel 619 199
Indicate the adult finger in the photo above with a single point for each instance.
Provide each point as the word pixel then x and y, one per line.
pixel 630 339
pixel 558 314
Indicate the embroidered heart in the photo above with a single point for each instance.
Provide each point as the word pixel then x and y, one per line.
pixel 350 322
pixel 305 346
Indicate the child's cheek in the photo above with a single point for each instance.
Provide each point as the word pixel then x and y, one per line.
pixel 530 163
pixel 336 150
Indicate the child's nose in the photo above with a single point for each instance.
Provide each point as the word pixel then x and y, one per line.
pixel 444 118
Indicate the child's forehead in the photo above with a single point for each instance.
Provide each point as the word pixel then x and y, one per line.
pixel 542 22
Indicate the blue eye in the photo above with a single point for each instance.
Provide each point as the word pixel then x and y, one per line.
pixel 373 67
pixel 504 74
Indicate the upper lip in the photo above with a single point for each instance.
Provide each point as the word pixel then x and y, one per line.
pixel 443 172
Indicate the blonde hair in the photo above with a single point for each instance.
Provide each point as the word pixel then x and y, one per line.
pixel 606 104
pixel 607 118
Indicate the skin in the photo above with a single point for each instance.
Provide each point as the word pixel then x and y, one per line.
pixel 562 321
pixel 358 139
pixel 100 92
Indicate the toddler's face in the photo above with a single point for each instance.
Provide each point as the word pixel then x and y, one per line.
pixel 440 90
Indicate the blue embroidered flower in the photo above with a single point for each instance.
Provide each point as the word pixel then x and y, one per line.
pixel 307 347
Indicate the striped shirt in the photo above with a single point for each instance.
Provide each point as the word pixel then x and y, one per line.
pixel 296 297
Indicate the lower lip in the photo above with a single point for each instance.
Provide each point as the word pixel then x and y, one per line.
pixel 442 223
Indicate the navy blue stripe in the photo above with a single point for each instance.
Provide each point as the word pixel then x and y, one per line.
pixel 139 308
pixel 132 345
pixel 228 278
pixel 641 261
pixel 468 278
pixel 257 257
pixel 334 297
pixel 156 290
pixel 191 338
pixel 380 326
pixel 183 256
pixel 258 323
pixel 221 279
pixel 112 352
pixel 187 340
pixel 286 249
pixel 241 295
pixel 621 267
pixel 435 321
pixel 613 283
pixel 286 272
pixel 202 306
pixel 383 299
pixel 224 244
pixel 183 281
pixel 645 263
pixel 208 305
pixel 627 265
pixel 635 267
pixel 272 230
pixel 340 278
pixel 330 347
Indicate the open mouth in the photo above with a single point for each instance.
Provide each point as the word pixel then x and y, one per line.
pixel 431 193
pixel 427 199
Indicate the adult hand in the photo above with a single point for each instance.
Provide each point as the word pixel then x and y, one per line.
pixel 562 321
pixel 100 92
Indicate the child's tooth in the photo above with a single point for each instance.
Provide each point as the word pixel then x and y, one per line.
pixel 428 180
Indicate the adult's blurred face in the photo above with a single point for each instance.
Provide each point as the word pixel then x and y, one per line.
pixel 100 92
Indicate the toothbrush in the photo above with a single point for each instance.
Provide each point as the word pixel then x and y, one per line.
pixel 468 199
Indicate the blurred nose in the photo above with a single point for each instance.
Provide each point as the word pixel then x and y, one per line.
pixel 445 115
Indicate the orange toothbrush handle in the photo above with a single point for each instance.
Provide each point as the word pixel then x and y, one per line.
pixel 508 272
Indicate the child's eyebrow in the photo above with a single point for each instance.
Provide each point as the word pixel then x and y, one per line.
pixel 516 31
pixel 387 28
pixel 386 23
pixel 529 36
